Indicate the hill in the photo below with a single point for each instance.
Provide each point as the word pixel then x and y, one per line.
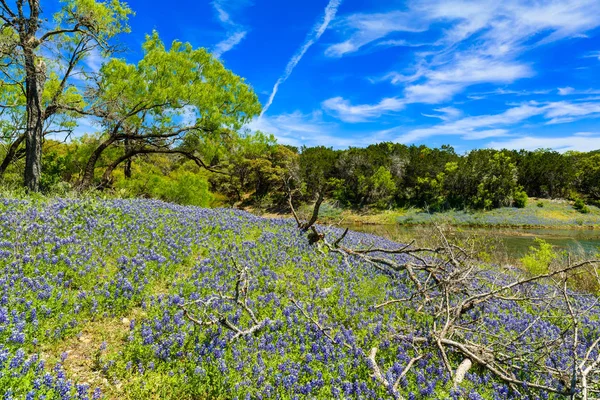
pixel 135 299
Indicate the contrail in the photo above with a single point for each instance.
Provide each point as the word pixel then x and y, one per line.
pixel 311 38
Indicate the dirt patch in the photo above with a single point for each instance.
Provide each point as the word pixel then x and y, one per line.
pixel 82 363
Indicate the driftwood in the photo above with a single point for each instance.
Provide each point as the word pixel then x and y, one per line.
pixel 449 283
pixel 211 315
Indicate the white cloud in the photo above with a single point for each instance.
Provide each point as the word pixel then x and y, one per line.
pixel 446 113
pixel 298 129
pixel 349 113
pixel 563 91
pixel 235 32
pixel 430 93
pixel 571 91
pixel 441 85
pixel 444 83
pixel 225 45
pixel 484 134
pixel 473 69
pixel 482 126
pixel 563 111
pixel 94 60
pixel 368 28
pixel 478 41
pixel 501 25
pixel 313 36
pixel 593 54
pixel 582 141
pixel 85 126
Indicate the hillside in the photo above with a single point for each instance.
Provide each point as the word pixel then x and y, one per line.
pixel 135 299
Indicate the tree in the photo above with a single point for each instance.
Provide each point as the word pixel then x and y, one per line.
pixel 317 166
pixel 588 176
pixel 544 173
pixel 255 165
pixel 79 28
pixel 173 101
pixel 383 187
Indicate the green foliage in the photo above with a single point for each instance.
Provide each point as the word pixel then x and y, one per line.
pixel 383 187
pixel 256 165
pixel 497 177
pixel 540 204
pixel 179 186
pixel 545 173
pixel 538 259
pixel 316 167
pixel 520 199
pixel 588 175
pixel 580 206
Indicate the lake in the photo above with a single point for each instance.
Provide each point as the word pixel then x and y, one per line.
pixel 515 242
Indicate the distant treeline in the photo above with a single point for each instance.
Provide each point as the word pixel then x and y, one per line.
pixel 387 175
pixel 254 170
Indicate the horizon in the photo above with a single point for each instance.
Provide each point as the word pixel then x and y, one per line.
pixel 342 73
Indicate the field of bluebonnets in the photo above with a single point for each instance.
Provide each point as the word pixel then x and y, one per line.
pixel 91 307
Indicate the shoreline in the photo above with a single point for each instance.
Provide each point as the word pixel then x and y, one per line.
pixel 554 215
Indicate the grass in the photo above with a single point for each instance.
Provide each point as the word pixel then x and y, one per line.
pixel 552 214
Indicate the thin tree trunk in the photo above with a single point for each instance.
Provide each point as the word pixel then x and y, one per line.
pixel 10 154
pixel 90 167
pixel 34 81
pixel 127 166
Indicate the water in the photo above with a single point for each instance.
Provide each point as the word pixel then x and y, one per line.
pixel 516 242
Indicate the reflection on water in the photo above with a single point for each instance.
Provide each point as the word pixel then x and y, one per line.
pixel 515 241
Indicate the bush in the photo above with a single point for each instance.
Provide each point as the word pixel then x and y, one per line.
pixel 520 199
pixel 538 260
pixel 181 187
pixel 581 207
pixel 540 204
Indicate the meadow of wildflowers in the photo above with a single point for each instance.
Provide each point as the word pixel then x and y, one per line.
pixel 97 299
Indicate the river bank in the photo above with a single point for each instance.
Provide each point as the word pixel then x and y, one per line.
pixel 538 214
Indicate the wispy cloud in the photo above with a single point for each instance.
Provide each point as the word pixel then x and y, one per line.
pixel 502 26
pixel 235 31
pixel 349 113
pixel 564 91
pixel 491 125
pixel 445 113
pixel 94 60
pixel 582 141
pixel 298 129
pixel 477 41
pixel 313 36
pixel 368 28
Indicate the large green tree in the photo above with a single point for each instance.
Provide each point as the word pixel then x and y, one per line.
pixel 35 52
pixel 174 100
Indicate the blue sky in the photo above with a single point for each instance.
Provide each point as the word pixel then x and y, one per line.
pixel 510 73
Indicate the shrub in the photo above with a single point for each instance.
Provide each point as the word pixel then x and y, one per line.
pixel 540 204
pixel 538 260
pixel 181 187
pixel 581 207
pixel 520 199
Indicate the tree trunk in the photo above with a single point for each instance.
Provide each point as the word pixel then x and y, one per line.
pixel 106 177
pixel 10 154
pixel 90 167
pixel 127 166
pixel 34 82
